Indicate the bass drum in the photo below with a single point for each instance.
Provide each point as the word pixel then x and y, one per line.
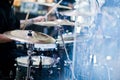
pixel 46 71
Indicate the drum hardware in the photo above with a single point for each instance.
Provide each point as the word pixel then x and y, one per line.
pixel 30 48
pixel 30 62
pixel 40 63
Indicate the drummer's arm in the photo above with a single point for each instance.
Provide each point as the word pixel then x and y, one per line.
pixel 24 23
pixel 4 39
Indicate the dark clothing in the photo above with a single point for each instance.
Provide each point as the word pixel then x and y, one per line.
pixel 7 22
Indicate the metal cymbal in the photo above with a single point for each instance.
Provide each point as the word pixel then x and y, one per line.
pixel 52 4
pixel 29 36
pixel 55 23
pixel 76 13
pixel 46 23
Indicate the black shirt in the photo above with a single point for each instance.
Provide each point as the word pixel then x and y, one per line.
pixel 8 22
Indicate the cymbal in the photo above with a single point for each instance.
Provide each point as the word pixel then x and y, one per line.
pixel 52 4
pixel 29 36
pixel 46 23
pixel 75 13
pixel 55 23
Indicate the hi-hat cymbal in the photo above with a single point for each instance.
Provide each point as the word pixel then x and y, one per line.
pixel 52 4
pixel 55 23
pixel 29 36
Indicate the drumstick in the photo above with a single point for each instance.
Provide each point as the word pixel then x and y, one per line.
pixel 55 6
pixel 27 15
pixel 26 18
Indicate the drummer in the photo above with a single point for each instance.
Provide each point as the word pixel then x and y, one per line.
pixel 8 22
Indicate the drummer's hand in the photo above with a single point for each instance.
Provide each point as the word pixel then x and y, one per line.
pixel 70 5
pixel 24 23
pixel 4 39
pixel 38 19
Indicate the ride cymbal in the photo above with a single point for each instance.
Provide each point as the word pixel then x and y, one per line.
pixel 29 36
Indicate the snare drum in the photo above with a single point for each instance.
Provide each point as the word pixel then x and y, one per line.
pixel 46 61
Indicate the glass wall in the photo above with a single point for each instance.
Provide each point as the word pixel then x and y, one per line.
pixel 96 54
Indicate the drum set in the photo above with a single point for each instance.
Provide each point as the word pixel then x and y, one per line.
pixel 42 49
pixel 42 52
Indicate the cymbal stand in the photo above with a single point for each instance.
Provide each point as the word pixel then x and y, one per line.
pixel 68 61
pixel 29 52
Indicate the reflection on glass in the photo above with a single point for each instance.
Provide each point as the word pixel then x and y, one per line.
pixel 96 53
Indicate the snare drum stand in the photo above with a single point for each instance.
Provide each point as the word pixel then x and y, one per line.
pixel 68 62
